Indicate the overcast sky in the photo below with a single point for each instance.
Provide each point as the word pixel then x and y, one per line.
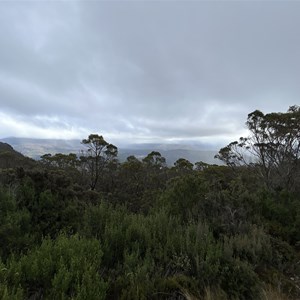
pixel 151 71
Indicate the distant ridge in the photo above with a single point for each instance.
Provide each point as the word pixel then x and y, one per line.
pixel 5 147
pixel 35 148
pixel 10 158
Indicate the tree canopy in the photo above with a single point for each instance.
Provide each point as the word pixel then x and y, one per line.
pixel 273 147
pixel 98 155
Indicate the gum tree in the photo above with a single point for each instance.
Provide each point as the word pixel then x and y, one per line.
pixel 273 147
pixel 97 157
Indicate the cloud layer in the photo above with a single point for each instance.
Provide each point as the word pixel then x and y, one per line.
pixel 145 71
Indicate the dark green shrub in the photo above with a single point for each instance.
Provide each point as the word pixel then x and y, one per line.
pixel 65 268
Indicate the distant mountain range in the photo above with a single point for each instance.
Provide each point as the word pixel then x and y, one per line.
pixel 34 148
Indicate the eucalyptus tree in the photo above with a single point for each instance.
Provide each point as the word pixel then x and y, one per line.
pixel 201 165
pixel 183 165
pixel 60 160
pixel 155 170
pixel 273 147
pixel 155 160
pixel 98 156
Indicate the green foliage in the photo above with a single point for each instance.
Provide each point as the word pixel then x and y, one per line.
pixel 282 215
pixel 253 246
pixel 50 202
pixel 273 147
pixel 145 231
pixel 149 252
pixel 65 268
pixel 183 165
pixel 59 160
pixel 183 195
pixel 14 227
pixel 99 155
pixel 154 159
pixel 240 281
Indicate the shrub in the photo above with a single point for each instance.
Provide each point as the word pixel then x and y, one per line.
pixel 65 268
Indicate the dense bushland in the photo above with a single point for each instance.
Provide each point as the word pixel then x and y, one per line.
pixel 92 228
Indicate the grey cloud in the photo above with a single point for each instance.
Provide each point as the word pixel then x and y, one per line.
pixel 148 69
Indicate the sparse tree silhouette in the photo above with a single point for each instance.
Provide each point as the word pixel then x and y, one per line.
pixel 98 155
pixel 273 147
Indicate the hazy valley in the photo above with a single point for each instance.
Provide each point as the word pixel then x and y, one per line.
pixel 35 148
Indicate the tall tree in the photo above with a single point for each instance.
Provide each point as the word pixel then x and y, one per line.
pixel 183 165
pixel 273 147
pixel 98 155
pixel 155 167
pixel 154 159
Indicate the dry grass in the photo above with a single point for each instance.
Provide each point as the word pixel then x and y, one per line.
pixel 268 293
pixel 214 294
pixel 271 293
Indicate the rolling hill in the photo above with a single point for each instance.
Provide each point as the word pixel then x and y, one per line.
pixel 34 148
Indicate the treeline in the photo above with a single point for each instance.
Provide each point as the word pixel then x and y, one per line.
pixel 88 227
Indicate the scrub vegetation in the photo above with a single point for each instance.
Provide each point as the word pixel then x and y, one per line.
pixel 89 227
